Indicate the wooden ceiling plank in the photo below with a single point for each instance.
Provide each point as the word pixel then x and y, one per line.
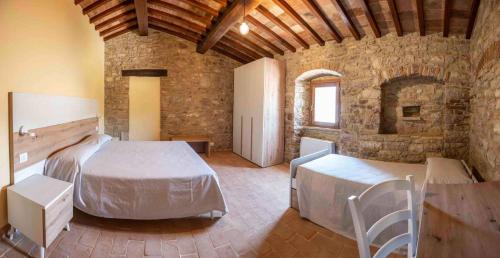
pixel 174 26
pixel 249 43
pixel 141 12
pixel 114 19
pixel 369 16
pixel 201 6
pixel 176 19
pixel 111 10
pixel 120 32
pixel 298 19
pixel 241 47
pixel 262 10
pixel 419 6
pixel 320 15
pixel 222 51
pixel 395 17
pixel 129 22
pixel 230 48
pixel 446 17
pixel 266 42
pixel 175 30
pixel 346 19
pixel 263 27
pixel 89 8
pixel 472 18
pixel 183 12
pixel 225 21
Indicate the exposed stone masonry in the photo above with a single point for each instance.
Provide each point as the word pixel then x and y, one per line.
pixel 365 66
pixel 196 96
pixel 485 94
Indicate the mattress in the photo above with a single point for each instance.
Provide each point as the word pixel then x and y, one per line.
pixel 143 180
pixel 324 185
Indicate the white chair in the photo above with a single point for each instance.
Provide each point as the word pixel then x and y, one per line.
pixel 365 238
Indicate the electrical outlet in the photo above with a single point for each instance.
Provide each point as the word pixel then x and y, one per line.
pixel 23 157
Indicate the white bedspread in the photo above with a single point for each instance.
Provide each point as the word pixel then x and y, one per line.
pixel 144 180
pixel 324 184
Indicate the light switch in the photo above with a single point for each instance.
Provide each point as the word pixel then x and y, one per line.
pixel 23 157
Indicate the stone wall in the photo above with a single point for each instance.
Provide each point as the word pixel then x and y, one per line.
pixel 485 93
pixel 364 66
pixel 196 96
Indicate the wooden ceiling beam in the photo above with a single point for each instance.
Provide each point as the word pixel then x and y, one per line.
pixel 446 17
pixel 124 24
pixel 263 27
pixel 320 15
pixel 141 12
pixel 298 19
pixel 369 16
pixel 241 47
pixel 120 32
pixel 77 2
pixel 201 6
pixel 227 19
pixel 89 8
pixel 249 43
pixel 230 48
pixel 222 51
pixel 266 42
pixel 395 17
pixel 472 18
pixel 176 30
pixel 419 6
pixel 262 10
pixel 116 18
pixel 154 13
pixel 189 14
pixel 346 19
pixel 116 8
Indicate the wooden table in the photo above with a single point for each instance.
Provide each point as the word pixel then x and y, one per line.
pixel 194 140
pixel 461 221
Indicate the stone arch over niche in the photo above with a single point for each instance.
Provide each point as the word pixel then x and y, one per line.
pixel 412 105
pixel 300 106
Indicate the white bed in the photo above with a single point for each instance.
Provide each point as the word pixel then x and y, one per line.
pixel 138 180
pixel 323 183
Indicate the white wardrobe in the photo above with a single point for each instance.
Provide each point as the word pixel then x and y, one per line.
pixel 258 118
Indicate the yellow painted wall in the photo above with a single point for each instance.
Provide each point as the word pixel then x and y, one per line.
pixel 46 46
pixel 144 109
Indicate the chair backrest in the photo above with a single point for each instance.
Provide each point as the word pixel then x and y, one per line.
pixel 365 237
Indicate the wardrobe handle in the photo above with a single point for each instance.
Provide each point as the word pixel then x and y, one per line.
pixel 241 137
pixel 251 138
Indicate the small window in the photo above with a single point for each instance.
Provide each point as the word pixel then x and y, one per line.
pixel 325 103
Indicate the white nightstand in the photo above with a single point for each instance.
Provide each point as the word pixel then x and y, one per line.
pixel 40 207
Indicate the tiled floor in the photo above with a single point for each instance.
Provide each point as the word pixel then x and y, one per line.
pixel 259 224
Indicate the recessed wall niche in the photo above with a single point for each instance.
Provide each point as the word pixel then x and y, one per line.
pixel 412 105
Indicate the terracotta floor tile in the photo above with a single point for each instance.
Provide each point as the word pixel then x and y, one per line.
pixel 226 251
pixel 135 249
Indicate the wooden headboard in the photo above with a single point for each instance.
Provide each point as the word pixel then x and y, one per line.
pixel 49 124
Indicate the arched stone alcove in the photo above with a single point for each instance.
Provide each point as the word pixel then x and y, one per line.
pixel 412 105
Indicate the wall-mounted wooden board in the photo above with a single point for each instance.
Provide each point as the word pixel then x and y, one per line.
pixel 145 72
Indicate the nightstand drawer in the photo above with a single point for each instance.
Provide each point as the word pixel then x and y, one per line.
pixel 57 215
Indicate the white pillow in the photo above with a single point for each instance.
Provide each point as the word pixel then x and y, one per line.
pixel 104 138
pixel 446 171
